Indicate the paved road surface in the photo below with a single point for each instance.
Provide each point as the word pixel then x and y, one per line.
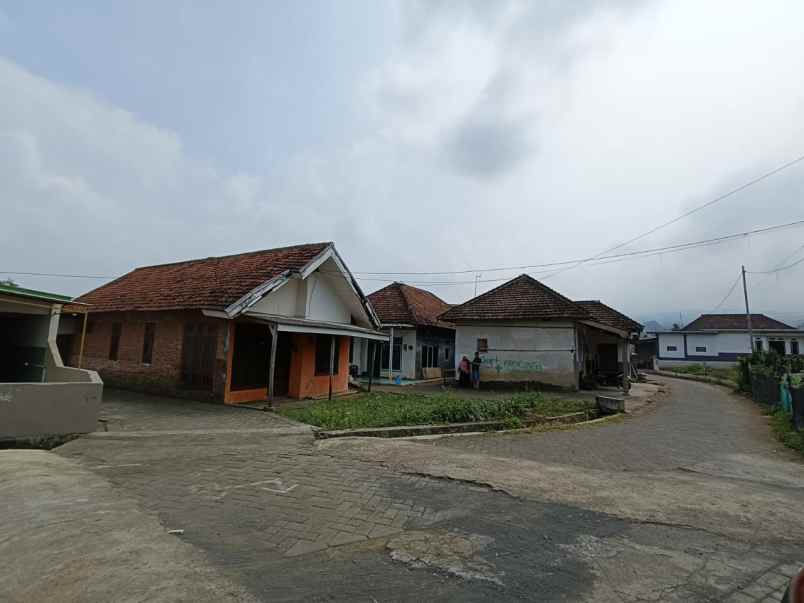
pixel 689 501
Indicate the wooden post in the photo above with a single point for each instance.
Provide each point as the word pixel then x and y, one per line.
pixel 627 366
pixel 372 345
pixel 331 362
pixel 272 328
pixel 391 356
pixel 83 337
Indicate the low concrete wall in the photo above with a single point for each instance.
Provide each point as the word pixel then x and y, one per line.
pixel 687 377
pixel 38 409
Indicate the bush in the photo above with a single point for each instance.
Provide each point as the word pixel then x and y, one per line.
pixel 782 425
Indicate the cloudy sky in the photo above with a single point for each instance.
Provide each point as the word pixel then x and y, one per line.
pixel 419 136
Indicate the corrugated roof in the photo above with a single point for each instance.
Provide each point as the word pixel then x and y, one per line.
pixel 523 298
pixel 209 283
pixel 732 322
pixel 607 315
pixel 33 294
pixel 399 303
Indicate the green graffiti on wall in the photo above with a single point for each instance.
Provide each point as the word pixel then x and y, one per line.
pixel 508 365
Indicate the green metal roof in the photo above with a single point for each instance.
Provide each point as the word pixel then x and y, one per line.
pixel 33 294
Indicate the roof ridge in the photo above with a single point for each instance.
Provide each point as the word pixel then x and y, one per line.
pixel 231 255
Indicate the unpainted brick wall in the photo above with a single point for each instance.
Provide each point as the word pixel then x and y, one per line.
pixel 164 373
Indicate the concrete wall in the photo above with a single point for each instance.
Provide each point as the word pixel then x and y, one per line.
pixel 535 352
pixel 36 409
pixel 304 383
pixel 673 340
pixel 708 343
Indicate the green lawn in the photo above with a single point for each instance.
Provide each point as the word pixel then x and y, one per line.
pixel 382 409
pixel 729 373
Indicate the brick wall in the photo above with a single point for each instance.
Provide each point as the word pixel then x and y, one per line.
pixel 164 373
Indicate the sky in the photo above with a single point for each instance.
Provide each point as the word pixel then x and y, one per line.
pixel 421 136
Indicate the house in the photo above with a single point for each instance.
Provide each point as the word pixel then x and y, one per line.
pixel 420 343
pixel 40 396
pixel 527 332
pixel 237 328
pixel 723 338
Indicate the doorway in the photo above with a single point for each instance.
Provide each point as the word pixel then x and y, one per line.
pixel 284 349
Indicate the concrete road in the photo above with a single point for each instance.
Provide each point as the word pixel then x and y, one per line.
pixel 690 501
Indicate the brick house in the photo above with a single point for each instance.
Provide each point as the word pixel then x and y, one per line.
pixel 239 328
pixel 420 344
pixel 526 332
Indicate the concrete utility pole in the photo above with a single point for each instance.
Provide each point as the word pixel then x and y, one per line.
pixel 748 315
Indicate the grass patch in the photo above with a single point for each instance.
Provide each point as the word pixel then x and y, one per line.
pixel 383 409
pixel 702 370
pixel 781 423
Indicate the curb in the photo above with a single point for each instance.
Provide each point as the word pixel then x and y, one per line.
pixel 686 377
pixel 407 431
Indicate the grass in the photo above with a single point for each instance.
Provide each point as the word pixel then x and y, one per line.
pixel 784 432
pixel 702 370
pixel 383 409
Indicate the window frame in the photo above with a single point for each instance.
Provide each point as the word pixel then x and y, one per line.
pixel 794 344
pixel 482 344
pixel 325 354
pixel 700 348
pixel 114 341
pixel 671 348
pixel 148 340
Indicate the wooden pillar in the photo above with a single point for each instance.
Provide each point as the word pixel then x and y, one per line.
pixel 372 345
pixel 331 362
pixel 83 338
pixel 272 328
pixel 391 356
pixel 627 366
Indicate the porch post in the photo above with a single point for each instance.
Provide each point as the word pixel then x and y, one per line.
pixel 331 362
pixel 272 328
pixel 627 366
pixel 372 345
pixel 83 337
pixel 391 355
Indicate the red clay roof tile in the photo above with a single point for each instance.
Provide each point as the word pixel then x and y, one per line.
pixel 607 315
pixel 720 322
pixel 402 304
pixel 210 283
pixel 523 298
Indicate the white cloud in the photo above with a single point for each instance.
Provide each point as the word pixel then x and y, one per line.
pixel 503 134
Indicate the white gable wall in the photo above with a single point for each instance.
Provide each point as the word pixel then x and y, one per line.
pixel 671 340
pixel 325 303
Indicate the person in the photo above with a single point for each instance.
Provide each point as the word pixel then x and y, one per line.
pixel 476 362
pixel 463 372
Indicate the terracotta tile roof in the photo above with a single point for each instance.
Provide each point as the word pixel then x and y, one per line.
pixel 523 298
pixel 210 283
pixel 403 304
pixel 607 315
pixel 730 322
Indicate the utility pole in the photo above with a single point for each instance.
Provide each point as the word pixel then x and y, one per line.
pixel 748 316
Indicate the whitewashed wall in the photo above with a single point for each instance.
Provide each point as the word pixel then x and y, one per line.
pixel 537 352
pixel 671 339
pixel 710 343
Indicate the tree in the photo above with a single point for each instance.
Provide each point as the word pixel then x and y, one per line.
pixel 8 283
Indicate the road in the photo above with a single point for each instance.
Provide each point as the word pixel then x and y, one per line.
pixel 691 500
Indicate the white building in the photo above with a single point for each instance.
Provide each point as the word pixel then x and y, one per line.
pixel 526 332
pixel 421 345
pixel 723 338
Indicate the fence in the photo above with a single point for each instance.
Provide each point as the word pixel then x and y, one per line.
pixel 769 390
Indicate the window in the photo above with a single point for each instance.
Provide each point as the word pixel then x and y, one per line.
pixel 148 342
pixel 777 346
pixel 322 349
pixel 758 345
pixel 446 354
pixel 483 345
pixel 700 348
pixel 794 347
pixel 351 350
pixel 429 356
pixel 397 363
pixel 114 343
pixel 198 355
pixel 672 348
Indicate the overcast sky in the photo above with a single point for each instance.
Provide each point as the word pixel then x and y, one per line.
pixel 419 136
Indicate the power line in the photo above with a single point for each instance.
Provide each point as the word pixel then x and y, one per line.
pixel 600 261
pixel 709 203
pixel 677 246
pixel 731 290
pixel 796 263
